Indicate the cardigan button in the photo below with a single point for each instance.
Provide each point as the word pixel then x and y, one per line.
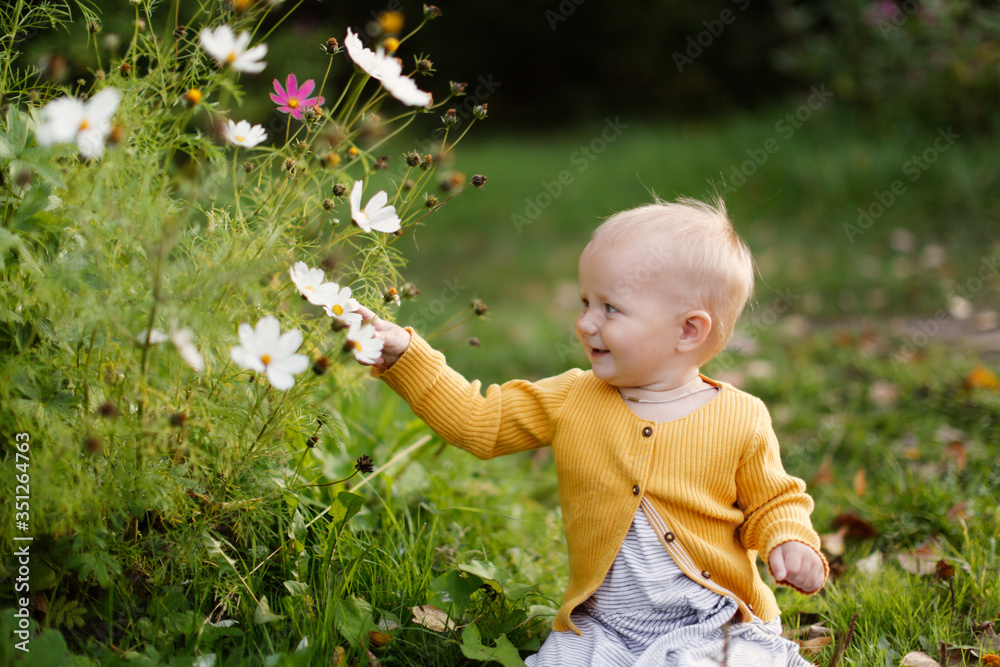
pixel 669 537
pixel 648 431
pixel 635 489
pixel 706 574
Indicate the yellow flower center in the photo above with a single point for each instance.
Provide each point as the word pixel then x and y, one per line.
pixel 231 58
pixel 293 103
pixel 356 345
pixel 84 125
pixel 193 96
pixel 239 137
pixel 265 359
pixel 337 309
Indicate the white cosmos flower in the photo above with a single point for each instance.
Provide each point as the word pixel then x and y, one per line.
pixel 243 134
pixel 341 307
pixel 372 63
pixel 87 123
pixel 181 339
pixel 311 284
pixel 362 343
pixel 228 49
pixel 375 215
pixel 388 70
pixel 266 350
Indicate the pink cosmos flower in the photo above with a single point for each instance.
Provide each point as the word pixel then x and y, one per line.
pixel 292 99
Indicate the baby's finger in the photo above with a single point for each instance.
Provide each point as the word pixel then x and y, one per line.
pixel 777 563
pixel 366 314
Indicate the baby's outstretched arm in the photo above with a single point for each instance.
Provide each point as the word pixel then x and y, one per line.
pixel 395 339
pixel 798 565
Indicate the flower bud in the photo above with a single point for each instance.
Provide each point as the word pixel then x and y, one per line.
pixel 412 158
pixel 289 165
pixel 478 180
pixel 311 442
pixel 94 27
pixel 124 69
pixel 479 111
pixel 300 146
pixel 409 290
pixel 179 32
pixel 431 12
pixel 408 185
pixel 107 409
pixel 329 204
pixel 100 75
pixel 427 162
pixel 391 44
pixel 364 464
pixel 479 307
pixel 248 166
pixel 352 153
pixel 312 113
pixel 431 201
pixel 473 342
pixel 449 118
pixel 331 46
pixel 93 444
pixel 457 88
pixel 381 163
pixel 392 296
pixel 192 96
pixel 339 189
pixel 331 160
pixel 320 365
pixel 425 66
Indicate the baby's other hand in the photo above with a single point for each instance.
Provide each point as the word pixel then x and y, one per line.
pixel 395 339
pixel 798 565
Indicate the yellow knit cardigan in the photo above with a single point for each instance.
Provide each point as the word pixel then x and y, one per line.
pixel 715 475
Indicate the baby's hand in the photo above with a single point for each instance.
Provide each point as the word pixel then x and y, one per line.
pixel 797 564
pixel 395 339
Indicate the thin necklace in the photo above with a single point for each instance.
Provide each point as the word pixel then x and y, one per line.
pixel 633 399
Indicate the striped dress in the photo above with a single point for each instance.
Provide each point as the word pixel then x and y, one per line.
pixel 648 613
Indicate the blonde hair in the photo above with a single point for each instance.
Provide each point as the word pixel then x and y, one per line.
pixel 703 246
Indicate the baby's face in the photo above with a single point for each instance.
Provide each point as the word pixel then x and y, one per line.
pixel 631 316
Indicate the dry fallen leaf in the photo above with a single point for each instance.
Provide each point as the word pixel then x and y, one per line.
pixel 957 452
pixel 922 560
pixel 379 639
pixel 987 637
pixel 432 618
pixel 943 570
pixel 918 659
pixel 958 511
pixel 833 543
pixel 860 483
pixel 856 526
pixel 824 475
pixel 813 646
pixel 870 564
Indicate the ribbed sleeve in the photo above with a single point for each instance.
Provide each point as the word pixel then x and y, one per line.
pixel 511 417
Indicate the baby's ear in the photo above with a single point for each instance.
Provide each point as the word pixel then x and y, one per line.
pixel 694 332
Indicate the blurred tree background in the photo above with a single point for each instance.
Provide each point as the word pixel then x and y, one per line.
pixel 593 104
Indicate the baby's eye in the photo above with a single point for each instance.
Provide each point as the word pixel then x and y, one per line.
pixel 608 308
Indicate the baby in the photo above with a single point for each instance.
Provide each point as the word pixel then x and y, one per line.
pixel 670 482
